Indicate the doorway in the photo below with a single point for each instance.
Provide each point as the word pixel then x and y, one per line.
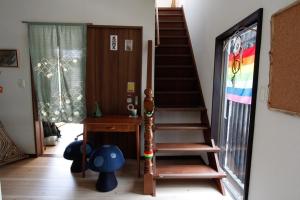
pixel 234 100
pixel 57 55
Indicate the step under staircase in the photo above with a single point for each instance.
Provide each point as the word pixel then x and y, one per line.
pixel 177 90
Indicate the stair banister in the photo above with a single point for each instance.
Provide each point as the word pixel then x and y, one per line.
pixel 149 182
pixel 157 25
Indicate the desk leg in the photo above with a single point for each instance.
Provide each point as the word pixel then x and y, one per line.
pixel 84 150
pixel 138 150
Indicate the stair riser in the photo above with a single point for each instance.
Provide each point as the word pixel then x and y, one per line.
pixel 173 60
pixel 171 25
pixel 175 72
pixel 172 50
pixel 172 32
pixel 174 18
pixel 173 41
pixel 183 100
pixel 176 85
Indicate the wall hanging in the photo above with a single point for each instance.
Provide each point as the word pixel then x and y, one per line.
pixel 8 58
pixel 284 85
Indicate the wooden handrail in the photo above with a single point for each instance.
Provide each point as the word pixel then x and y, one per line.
pixel 149 65
pixel 157 41
pixel 149 182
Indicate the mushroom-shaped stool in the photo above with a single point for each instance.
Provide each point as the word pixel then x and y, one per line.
pixel 74 152
pixel 106 160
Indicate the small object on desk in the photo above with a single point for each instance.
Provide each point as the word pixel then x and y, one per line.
pixel 132 110
pixel 97 112
pixel 73 152
pixel 133 113
pixel 106 160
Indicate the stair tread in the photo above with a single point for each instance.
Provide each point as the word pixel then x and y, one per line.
pixel 173 36
pixel 186 147
pixel 174 66
pixel 175 78
pixel 171 21
pixel 198 108
pixel 172 29
pixel 178 92
pixel 173 55
pixel 173 45
pixel 168 8
pixel 180 126
pixel 187 171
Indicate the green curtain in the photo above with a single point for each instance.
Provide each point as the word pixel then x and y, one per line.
pixel 58 57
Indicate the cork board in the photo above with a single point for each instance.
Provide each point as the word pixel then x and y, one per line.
pixel 284 85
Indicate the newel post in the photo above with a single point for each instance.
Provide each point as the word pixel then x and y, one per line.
pixel 149 182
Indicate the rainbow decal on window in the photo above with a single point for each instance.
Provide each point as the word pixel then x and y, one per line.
pixel 240 89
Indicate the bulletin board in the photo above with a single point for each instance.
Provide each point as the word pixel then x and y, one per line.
pixel 284 85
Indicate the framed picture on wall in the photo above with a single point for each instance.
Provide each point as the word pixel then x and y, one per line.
pixel 128 45
pixel 8 58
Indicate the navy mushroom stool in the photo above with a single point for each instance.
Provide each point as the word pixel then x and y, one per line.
pixel 106 160
pixel 74 152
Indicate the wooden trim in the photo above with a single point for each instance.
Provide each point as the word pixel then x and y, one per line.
pixel 259 16
pixel 256 17
pixel 115 27
pixel 37 124
pixel 149 64
pixel 286 8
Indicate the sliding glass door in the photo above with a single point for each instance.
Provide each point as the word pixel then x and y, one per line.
pixel 234 99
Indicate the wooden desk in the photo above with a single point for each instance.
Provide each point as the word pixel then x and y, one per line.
pixel 112 123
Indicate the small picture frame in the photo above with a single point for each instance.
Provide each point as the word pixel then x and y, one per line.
pixel 8 58
pixel 128 45
pixel 114 42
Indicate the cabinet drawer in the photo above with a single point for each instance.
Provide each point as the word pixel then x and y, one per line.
pixel 110 127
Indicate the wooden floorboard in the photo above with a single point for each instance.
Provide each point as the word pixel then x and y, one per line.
pixel 49 178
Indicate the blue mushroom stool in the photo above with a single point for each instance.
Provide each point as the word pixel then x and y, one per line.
pixel 106 160
pixel 74 152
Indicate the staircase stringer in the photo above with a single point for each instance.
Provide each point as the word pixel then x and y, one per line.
pixel 212 157
pixel 193 57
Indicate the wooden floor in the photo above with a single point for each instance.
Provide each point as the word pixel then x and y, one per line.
pixel 50 178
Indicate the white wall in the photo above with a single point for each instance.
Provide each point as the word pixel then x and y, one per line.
pixel 275 159
pixel 15 102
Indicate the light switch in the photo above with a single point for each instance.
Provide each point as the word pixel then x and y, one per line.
pixel 21 83
pixel 263 94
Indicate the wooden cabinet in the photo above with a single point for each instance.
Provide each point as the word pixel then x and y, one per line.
pixel 107 76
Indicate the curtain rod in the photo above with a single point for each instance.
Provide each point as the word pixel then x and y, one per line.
pixel 62 23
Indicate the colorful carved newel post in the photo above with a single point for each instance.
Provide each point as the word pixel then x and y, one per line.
pixel 148 153
pixel 149 182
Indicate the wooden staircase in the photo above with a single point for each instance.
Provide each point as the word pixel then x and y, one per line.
pixel 177 90
pixel 176 79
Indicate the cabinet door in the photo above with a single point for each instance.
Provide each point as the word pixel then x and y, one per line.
pixel 108 74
